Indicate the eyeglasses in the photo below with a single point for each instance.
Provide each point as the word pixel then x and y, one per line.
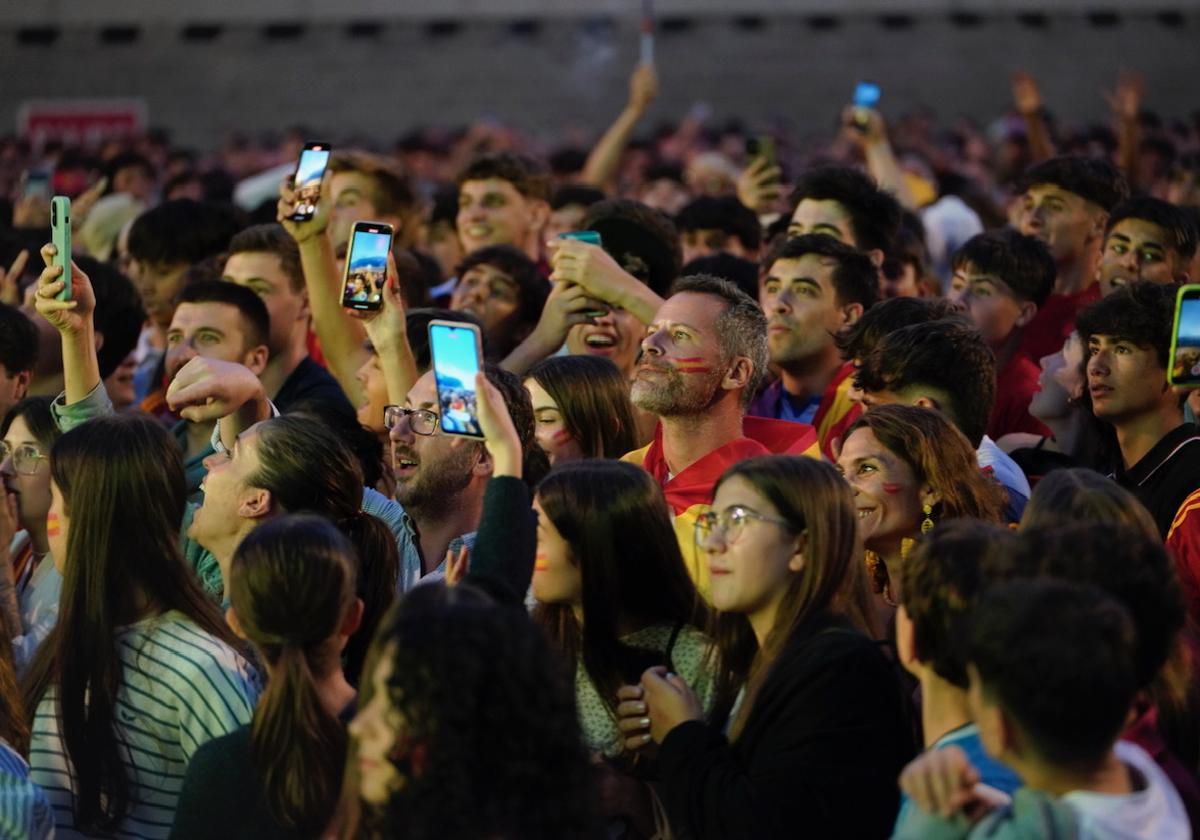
pixel 420 420
pixel 24 457
pixel 731 522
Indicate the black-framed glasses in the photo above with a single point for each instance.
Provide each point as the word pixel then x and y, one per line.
pixel 24 457
pixel 731 522
pixel 420 420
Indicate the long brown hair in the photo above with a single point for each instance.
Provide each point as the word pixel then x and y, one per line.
pixel 814 499
pixel 14 727
pixel 292 583
pixel 593 398
pixel 937 453
pixel 1070 496
pixel 617 523
pixel 307 467
pixel 122 484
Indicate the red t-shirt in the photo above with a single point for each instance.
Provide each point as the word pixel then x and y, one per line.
pixel 1016 383
pixel 1054 321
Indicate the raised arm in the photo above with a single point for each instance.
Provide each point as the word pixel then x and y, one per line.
pixel 1028 100
pixel 388 331
pixel 1126 104
pixel 602 163
pixel 881 161
pixel 73 320
pixel 341 337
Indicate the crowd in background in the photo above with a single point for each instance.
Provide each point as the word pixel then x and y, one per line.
pixel 839 491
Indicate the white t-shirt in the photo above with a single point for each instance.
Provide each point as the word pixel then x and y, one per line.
pixel 1155 812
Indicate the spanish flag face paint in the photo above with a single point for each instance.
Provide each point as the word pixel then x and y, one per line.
pixel 53 526
pixel 692 364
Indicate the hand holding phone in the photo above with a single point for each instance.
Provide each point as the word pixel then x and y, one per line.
pixel 366 266
pixel 1184 371
pixel 456 351
pixel 591 237
pixel 310 170
pixel 60 235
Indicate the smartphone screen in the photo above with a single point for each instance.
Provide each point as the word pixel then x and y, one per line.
pixel 589 236
pixel 366 266
pixel 36 184
pixel 1185 341
pixel 307 180
pixel 455 349
pixel 866 95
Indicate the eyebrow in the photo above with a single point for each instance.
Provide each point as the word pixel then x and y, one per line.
pixel 671 325
pixel 353 191
pixel 808 281
pixel 1149 243
pixel 538 408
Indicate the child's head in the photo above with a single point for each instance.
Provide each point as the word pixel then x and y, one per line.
pixel 1053 674
pixel 1001 278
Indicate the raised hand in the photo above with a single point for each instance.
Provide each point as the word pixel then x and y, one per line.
pixel 499 434
pixel 1026 95
pixel 759 187
pixel 303 231
pixel 1125 99
pixel 643 87
pixel 209 389
pixel 70 317
pixel 10 291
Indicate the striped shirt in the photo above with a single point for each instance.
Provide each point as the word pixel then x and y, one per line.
pixel 180 688
pixel 24 811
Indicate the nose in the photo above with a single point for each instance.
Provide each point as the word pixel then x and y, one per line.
pixel 782 304
pixel 1098 363
pixel 210 461
pixel 959 299
pixel 1046 361
pixel 401 432
pixel 650 344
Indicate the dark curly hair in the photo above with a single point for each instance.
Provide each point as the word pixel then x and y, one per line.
pixel 1141 313
pixel 480 687
pixel 860 338
pixel 874 214
pixel 1092 179
pixel 527 176
pixel 1022 263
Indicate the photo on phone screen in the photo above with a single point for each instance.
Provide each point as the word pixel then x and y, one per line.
pixel 455 350
pixel 366 266
pixel 307 180
pixel 36 184
pixel 1185 341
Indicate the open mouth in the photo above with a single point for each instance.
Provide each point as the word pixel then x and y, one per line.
pixel 478 231
pixel 404 464
pixel 863 513
pixel 600 340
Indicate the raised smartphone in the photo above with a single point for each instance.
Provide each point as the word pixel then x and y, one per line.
pixel 762 146
pixel 456 350
pixel 60 235
pixel 592 237
pixel 314 158
pixel 866 96
pixel 366 266
pixel 1185 338
pixel 36 184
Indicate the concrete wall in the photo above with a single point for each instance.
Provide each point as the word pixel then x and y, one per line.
pixel 569 71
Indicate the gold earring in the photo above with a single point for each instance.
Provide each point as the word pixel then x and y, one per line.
pixel 927 525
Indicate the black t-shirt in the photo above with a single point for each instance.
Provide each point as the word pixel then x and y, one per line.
pixel 1166 475
pixel 310 383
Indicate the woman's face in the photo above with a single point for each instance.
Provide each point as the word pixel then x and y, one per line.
pixel 1061 381
pixel 376 729
pixel 32 491
pixel 886 493
pixel 556 578
pixel 750 559
pixel 56 528
pixel 549 429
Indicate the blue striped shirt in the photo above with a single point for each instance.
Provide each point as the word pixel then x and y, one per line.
pixel 180 688
pixel 24 811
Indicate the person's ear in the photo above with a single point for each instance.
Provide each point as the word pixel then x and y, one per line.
pixel 256 359
pixel 926 401
pixel 539 214
pixel 798 560
pixel 255 503
pixel 876 256
pixel 906 641
pixel 99 341
pixel 484 466
pixel 1028 310
pixel 850 313
pixel 231 618
pixel 21 386
pixel 740 371
pixel 353 618
pixel 1099 222
pixel 305 305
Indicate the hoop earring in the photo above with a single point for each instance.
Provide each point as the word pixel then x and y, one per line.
pixel 927 525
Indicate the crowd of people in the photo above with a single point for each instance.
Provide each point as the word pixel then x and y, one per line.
pixel 836 490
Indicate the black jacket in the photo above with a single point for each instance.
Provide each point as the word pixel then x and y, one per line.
pixel 818 757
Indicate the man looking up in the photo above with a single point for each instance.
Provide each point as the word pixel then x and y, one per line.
pixel 1146 239
pixel 815 287
pixel 1065 203
pixel 503 199
pixel 704 352
pixel 1128 341
pixel 847 205
pixel 266 260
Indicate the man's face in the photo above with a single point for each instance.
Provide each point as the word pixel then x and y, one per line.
pixel 490 295
pixel 492 212
pixel 353 196
pixel 263 274
pixel 565 219
pixel 134 181
pixel 1136 249
pixel 370 375
pixel 682 364
pixel 708 242
pixel 440 241
pixel 800 302
pixel 431 470
pixel 1125 381
pixel 211 330
pixel 665 194
pixel 989 301
pixel 13 387
pixel 158 285
pixel 1066 222
pixel 615 335
pixel 822 216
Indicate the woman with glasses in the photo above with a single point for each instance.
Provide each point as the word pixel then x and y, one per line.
pixel 818 733
pixel 615 598
pixel 29 583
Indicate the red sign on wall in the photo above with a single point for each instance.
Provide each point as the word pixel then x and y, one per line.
pixel 80 122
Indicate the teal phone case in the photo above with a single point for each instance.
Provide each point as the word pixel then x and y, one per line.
pixel 60 235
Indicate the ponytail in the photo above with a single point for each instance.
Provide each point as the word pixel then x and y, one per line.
pixel 378 574
pixel 295 742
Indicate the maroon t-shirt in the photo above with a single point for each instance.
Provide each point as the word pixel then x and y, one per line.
pixel 1016 383
pixel 1054 321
